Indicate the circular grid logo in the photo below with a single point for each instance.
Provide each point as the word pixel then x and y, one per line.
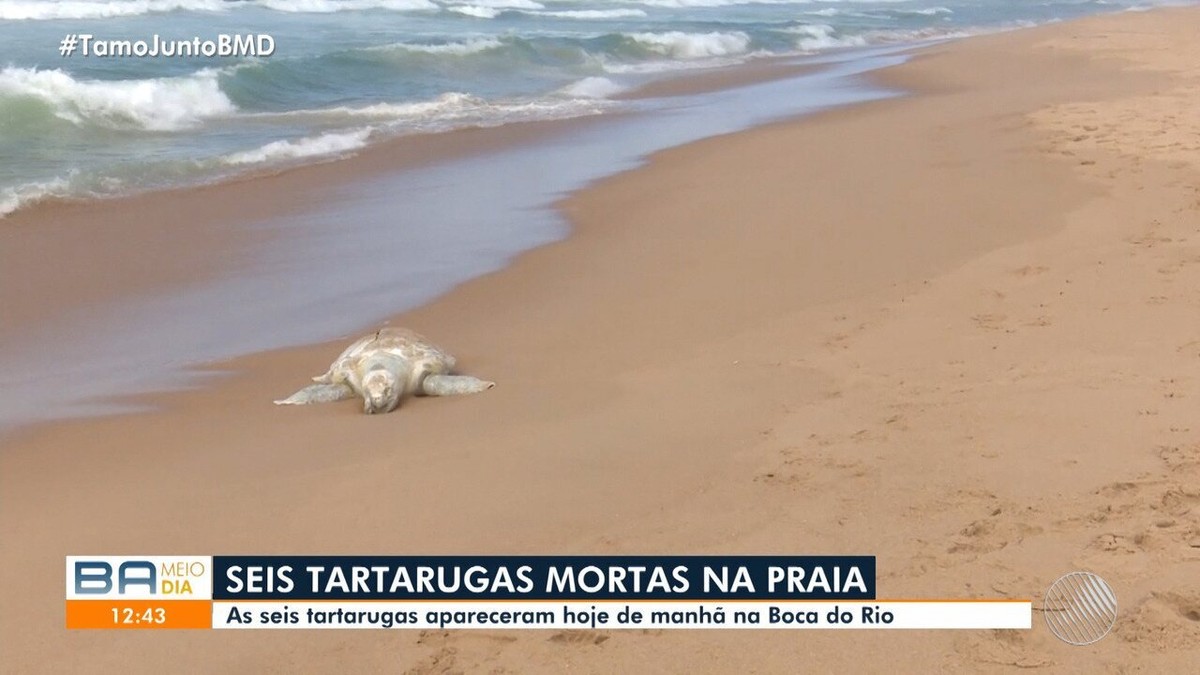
pixel 1080 608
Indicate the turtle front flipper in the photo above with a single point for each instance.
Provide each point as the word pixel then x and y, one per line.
pixel 319 393
pixel 453 385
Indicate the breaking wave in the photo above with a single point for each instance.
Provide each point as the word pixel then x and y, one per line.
pixel 157 104
pixel 35 10
pixel 593 13
pixel 328 144
pixel 680 45
pixel 592 87
pixel 459 48
pixel 15 197
pixel 818 36
pixel 330 6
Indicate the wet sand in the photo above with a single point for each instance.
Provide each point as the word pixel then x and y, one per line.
pixel 956 330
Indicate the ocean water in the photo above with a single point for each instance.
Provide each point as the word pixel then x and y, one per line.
pixel 346 73
pixel 352 258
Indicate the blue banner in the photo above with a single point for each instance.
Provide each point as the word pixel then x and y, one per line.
pixel 491 578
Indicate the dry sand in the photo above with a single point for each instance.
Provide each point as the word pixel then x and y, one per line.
pixel 957 330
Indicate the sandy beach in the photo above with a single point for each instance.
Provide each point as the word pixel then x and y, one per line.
pixel 957 330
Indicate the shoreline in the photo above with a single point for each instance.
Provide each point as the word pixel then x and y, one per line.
pixel 175 228
pixel 278 239
pixel 411 150
pixel 734 351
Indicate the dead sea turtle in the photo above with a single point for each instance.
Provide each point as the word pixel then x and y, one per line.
pixel 383 368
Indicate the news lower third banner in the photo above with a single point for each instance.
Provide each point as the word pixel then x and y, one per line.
pixel 505 592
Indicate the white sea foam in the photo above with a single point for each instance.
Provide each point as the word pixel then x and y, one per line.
pixel 490 9
pixel 507 4
pixel 17 196
pixel 330 6
pixel 474 11
pixel 592 13
pixel 922 34
pixel 450 104
pixel 667 66
pixel 693 45
pixel 34 10
pixel 473 46
pixel 592 87
pixel 159 104
pixel 333 143
pixel 818 36
pixel 455 109
pixel 684 4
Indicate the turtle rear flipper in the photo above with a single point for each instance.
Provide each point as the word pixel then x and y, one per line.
pixel 453 385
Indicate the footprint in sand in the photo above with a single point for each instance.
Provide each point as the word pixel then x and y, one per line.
pixel 460 652
pixel 990 321
pixel 1030 270
pixel 780 479
pixel 1190 348
pixel 1149 239
pixel 579 637
pixel 1115 502
pixel 1018 649
pixel 787 475
pixel 1163 621
pixel 838 341
pixel 1180 457
pixel 1151 515
pixel 1001 527
pixel 443 661
pixel 1181 502
pixel 1172 388
pixel 1114 543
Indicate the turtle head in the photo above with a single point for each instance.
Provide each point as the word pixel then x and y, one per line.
pixel 381 391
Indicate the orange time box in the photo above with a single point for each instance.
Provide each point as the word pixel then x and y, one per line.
pixel 139 614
